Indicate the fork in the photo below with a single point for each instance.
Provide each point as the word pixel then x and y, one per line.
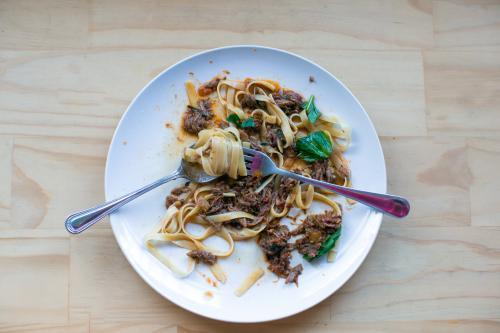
pixel 258 162
pixel 80 221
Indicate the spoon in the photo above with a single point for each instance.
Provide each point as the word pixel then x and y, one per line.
pixel 82 220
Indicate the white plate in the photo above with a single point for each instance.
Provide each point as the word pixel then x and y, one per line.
pixel 143 149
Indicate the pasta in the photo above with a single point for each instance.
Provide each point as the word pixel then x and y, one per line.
pixel 219 152
pixel 226 115
pixel 249 282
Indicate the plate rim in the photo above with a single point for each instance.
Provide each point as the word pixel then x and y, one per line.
pixel 375 217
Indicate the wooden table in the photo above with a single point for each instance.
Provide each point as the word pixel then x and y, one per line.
pixel 427 72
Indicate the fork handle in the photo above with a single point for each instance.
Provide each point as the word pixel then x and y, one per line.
pixel 386 203
pixel 82 220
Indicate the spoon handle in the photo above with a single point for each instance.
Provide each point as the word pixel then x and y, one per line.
pixel 386 203
pixel 82 220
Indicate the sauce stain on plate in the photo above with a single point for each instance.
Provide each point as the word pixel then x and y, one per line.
pixel 211 282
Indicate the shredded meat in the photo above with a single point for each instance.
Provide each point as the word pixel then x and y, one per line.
pixel 315 229
pixel 243 135
pixel 252 134
pixel 255 143
pixel 223 124
pixel 342 167
pixel 293 276
pixel 218 203
pixel 203 204
pixel 279 264
pixel 252 202
pixel 176 195
pixel 273 135
pixel 258 204
pixel 290 152
pixel 249 102
pixel 289 101
pixel 274 239
pixel 323 170
pixel 286 186
pixel 257 121
pixel 197 119
pixel 170 200
pixel 202 256
pixel 265 202
pixel 211 86
pixel 181 189
pixel 274 242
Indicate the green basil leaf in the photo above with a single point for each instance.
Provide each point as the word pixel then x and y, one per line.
pixel 233 118
pixel 314 147
pixel 326 246
pixel 248 123
pixel 312 111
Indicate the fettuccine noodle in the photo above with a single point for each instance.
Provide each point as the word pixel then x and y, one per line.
pixel 274 129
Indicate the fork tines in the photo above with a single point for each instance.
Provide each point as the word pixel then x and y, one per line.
pixel 252 160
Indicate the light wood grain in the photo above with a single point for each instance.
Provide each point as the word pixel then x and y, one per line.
pixel 35 276
pixel 390 85
pixel 465 24
pixel 484 160
pixel 44 192
pixel 427 72
pixel 323 24
pixel 31 24
pixel 434 174
pixel 444 262
pixel 5 178
pixel 463 92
